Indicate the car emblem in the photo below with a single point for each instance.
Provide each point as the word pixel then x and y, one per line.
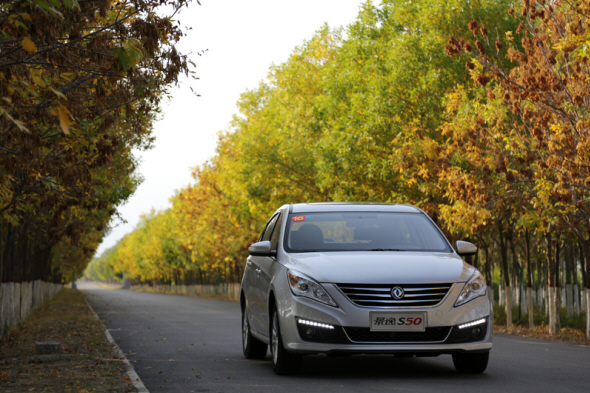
pixel 397 292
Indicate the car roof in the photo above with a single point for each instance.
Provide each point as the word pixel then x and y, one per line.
pixel 352 207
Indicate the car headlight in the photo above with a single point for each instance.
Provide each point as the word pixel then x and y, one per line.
pixel 475 287
pixel 301 285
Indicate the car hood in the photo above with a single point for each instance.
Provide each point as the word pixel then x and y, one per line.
pixel 380 267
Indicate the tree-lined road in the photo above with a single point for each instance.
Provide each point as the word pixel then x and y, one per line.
pixel 188 344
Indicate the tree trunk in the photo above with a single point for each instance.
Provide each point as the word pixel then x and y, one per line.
pixel 525 298
pixel 576 300
pixel 516 271
pixel 529 278
pixel 508 294
pixel 569 290
pixel 557 282
pixel 586 281
pixel 488 275
pixel 551 284
pixel 529 297
pixel 508 306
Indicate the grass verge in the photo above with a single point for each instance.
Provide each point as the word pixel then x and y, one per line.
pixel 573 328
pixel 85 364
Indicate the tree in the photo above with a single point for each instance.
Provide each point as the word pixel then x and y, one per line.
pixel 80 83
pixel 545 95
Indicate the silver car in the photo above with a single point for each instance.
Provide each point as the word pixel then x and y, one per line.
pixel 350 278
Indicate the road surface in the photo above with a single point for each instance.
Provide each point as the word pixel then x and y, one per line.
pixel 188 344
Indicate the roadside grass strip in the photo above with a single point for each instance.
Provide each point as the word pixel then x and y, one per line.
pixel 86 360
pixel 572 327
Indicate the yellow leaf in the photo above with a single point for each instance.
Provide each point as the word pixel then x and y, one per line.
pixel 64 118
pixel 28 45
pixel 17 123
pixel 59 94
pixel 39 82
pixel 68 76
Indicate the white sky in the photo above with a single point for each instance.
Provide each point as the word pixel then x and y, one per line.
pixel 243 38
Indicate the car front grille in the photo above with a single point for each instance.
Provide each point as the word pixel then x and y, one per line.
pixel 365 335
pixel 379 295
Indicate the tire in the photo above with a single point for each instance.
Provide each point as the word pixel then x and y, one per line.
pixel 252 347
pixel 471 363
pixel 284 363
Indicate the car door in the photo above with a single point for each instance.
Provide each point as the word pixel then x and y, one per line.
pixel 266 266
pixel 254 267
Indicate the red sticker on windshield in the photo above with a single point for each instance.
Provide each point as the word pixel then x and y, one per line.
pixel 298 218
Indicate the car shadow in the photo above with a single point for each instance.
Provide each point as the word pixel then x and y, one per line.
pixel 381 367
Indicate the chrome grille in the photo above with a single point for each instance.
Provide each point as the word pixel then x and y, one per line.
pixel 379 295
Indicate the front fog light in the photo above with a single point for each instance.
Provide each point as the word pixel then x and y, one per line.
pixel 315 324
pixel 469 331
pixel 320 332
pixel 474 323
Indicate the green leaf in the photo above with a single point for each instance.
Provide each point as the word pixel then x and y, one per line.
pixel 41 3
pixel 123 57
pixel 55 13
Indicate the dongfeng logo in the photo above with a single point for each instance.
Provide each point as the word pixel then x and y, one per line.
pixel 397 293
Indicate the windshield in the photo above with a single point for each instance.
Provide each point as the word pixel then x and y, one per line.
pixel 363 231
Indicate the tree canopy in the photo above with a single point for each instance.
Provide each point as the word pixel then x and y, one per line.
pixel 471 110
pixel 80 84
pixel 344 118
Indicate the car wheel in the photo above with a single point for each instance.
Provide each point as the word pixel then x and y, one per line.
pixel 471 363
pixel 283 362
pixel 252 347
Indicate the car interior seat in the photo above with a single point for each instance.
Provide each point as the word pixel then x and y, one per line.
pixel 308 237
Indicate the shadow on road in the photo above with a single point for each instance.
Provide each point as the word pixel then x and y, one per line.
pixel 373 367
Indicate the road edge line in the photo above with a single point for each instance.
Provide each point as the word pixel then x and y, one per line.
pixel 135 380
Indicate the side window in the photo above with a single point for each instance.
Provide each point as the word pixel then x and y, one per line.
pixel 274 239
pixel 268 230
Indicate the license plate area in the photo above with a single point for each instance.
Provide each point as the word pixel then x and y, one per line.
pixel 398 321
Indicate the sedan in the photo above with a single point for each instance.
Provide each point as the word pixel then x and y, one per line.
pixel 352 278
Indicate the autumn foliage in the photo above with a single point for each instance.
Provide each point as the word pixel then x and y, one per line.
pixel 474 111
pixel 342 119
pixel 524 144
pixel 80 84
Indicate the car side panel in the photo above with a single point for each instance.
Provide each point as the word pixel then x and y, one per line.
pixel 248 281
pixel 263 278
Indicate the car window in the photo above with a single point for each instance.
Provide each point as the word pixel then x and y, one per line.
pixel 362 231
pixel 268 229
pixel 274 239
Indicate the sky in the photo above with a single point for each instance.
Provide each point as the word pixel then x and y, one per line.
pixel 239 41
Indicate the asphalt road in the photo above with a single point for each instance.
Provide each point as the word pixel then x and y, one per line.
pixel 188 344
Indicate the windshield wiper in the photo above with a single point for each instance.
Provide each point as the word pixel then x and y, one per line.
pixel 387 249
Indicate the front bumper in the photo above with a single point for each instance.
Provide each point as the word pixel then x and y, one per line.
pixel 351 331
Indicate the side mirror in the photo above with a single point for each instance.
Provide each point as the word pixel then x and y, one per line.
pixel 262 249
pixel 466 248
